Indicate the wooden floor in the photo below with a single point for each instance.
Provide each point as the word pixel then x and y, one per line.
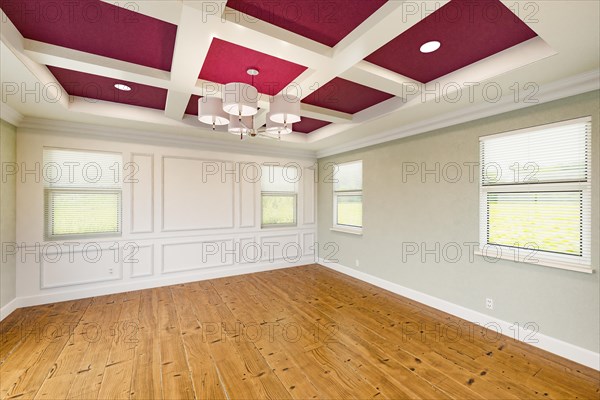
pixel 305 332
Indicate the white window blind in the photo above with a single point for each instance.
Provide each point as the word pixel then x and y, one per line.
pixel 348 177
pixel 279 179
pixel 82 169
pixel 279 186
pixel 347 196
pixel 535 193
pixel 82 193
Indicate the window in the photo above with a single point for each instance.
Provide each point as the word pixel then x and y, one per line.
pixel 347 197
pixel 279 195
pixel 82 193
pixel 535 195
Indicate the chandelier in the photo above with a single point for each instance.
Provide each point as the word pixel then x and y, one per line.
pixel 239 105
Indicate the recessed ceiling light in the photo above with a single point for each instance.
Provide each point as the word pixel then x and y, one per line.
pixel 122 87
pixel 430 47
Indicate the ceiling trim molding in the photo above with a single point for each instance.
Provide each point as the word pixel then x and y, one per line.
pixel 102 132
pixel 572 86
pixel 10 115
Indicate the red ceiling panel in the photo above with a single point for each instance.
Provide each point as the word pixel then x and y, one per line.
pixel 102 88
pixel 96 27
pixel 307 125
pixel 192 107
pixel 468 30
pixel 346 96
pixel 227 62
pixel 326 22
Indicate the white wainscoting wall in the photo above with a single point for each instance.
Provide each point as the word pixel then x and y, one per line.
pixel 177 225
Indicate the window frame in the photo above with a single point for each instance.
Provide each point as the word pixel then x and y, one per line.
pixel 289 189
pixel 354 229
pixel 48 190
pixel 293 195
pixel 580 263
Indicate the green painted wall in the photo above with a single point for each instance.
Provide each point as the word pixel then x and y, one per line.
pixel 564 304
pixel 7 213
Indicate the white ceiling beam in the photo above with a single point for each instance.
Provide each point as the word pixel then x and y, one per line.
pixel 14 42
pixel 514 57
pixel 324 114
pixel 176 104
pixel 385 24
pixel 36 53
pixel 467 82
pixel 217 20
pixel 302 47
pixel 56 56
pixel 382 79
pixel 191 47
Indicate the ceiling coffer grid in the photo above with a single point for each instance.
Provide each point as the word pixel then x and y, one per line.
pixel 331 60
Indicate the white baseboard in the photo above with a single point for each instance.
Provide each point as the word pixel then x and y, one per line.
pixel 211 273
pixel 9 308
pixel 556 346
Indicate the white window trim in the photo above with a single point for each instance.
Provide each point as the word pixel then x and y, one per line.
pixel 48 236
pixel 522 255
pixel 351 229
pixel 347 229
pixel 341 227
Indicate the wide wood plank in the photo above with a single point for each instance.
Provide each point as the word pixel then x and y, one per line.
pixel 25 369
pixel 304 333
pixel 146 375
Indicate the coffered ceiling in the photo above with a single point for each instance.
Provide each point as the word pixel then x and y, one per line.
pixel 357 65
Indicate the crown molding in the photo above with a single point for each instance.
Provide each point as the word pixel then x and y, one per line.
pixel 85 130
pixel 10 115
pixel 575 85
pixel 564 88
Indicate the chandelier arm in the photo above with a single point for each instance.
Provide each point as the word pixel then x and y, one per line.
pixel 265 135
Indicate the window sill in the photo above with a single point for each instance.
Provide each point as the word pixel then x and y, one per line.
pixel 541 262
pixel 352 231
pixel 275 226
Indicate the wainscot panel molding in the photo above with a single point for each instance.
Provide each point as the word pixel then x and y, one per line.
pixel 208 202
pixel 140 174
pixel 140 260
pixel 173 219
pixel 90 263
pixel 178 257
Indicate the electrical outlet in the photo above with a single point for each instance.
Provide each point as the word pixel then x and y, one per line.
pixel 489 303
pixel 357 263
pixel 110 271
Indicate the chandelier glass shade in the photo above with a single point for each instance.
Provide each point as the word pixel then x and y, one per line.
pixel 210 111
pixel 240 99
pixel 285 109
pixel 275 128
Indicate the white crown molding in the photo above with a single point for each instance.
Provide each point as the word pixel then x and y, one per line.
pixel 553 91
pixel 10 115
pixel 567 350
pixel 572 86
pixel 85 130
